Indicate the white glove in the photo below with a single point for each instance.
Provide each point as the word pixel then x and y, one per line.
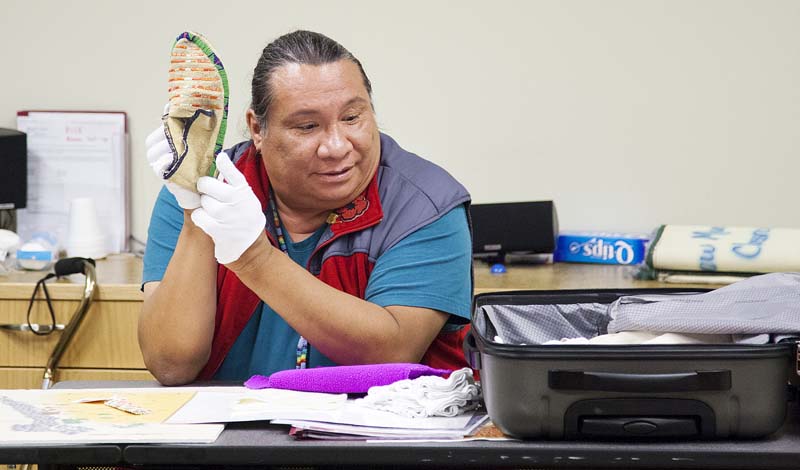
pixel 159 156
pixel 230 213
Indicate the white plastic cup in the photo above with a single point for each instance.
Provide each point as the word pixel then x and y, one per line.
pixel 86 238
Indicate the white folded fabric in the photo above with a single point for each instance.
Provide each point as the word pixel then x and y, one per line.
pixel 563 341
pixel 646 337
pixel 426 396
pixel 682 338
pixel 624 337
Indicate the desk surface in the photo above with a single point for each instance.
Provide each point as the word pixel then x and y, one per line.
pixel 249 444
pixel 262 444
pixel 564 276
pixel 77 455
pixel 259 443
pixel 119 277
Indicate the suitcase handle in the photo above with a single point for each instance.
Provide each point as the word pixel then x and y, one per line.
pixel 705 380
pixel 639 418
pixel 471 352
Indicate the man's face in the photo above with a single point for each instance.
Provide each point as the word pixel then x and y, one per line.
pixel 321 147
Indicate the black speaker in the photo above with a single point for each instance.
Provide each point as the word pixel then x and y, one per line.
pixel 13 169
pixel 514 227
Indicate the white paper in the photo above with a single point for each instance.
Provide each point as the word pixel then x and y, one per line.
pixel 475 421
pixel 274 404
pixel 144 434
pixel 73 155
pixel 352 413
pixel 253 405
pixel 62 416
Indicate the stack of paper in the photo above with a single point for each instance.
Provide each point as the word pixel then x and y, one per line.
pixel 320 415
pixel 432 428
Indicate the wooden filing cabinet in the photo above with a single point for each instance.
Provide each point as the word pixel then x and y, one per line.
pixel 103 348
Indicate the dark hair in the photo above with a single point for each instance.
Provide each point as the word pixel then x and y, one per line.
pixel 299 47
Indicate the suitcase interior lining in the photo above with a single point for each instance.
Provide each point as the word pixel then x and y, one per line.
pixel 537 324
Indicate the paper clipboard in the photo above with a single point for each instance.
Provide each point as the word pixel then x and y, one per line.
pixel 74 154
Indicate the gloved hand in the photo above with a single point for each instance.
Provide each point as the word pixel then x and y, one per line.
pixel 230 213
pixel 159 156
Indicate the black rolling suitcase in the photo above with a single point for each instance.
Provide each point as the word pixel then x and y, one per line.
pixel 694 391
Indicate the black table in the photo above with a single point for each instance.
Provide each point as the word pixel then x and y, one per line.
pixel 260 444
pixel 65 455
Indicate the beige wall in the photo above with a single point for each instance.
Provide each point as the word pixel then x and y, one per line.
pixel 627 113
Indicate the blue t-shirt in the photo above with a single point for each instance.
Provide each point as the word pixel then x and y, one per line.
pixel 429 268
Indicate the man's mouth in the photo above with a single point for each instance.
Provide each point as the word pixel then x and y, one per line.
pixel 336 172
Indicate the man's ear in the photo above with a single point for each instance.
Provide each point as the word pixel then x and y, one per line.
pixel 254 127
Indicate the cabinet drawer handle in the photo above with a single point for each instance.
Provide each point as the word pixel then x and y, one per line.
pixel 33 326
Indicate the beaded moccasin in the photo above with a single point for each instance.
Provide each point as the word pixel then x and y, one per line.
pixel 197 114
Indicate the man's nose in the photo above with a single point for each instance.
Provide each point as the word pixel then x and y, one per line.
pixel 335 144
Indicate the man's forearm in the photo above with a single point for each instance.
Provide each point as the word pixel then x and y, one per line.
pixel 177 322
pixel 345 328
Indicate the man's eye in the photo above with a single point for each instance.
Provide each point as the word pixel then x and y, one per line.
pixel 307 127
pixel 351 118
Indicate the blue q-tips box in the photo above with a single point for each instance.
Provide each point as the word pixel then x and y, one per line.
pixel 601 247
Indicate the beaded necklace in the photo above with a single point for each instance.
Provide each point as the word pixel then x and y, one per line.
pixel 301 361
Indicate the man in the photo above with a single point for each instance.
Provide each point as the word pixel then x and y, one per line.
pixel 366 253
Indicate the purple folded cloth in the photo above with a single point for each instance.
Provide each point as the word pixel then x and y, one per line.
pixel 342 379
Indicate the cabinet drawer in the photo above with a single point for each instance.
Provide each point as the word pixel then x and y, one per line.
pixel 106 337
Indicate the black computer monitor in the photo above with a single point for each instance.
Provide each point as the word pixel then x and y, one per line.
pixel 13 169
pixel 511 227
